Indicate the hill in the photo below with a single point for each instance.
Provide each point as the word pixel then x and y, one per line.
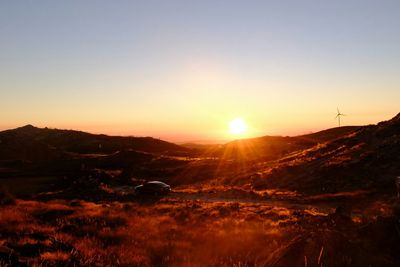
pixel 274 147
pixel 329 161
pixel 364 159
pixel 32 143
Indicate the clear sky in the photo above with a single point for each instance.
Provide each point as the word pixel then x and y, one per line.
pixel 182 70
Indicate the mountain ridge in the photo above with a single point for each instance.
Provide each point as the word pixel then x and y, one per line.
pixel 27 138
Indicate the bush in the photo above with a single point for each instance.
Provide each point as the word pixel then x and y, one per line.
pixel 5 197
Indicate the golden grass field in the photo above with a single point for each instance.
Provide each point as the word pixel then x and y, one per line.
pixel 178 232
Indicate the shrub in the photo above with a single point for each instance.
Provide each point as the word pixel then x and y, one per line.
pixel 5 197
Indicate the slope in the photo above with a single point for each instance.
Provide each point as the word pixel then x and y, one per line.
pixel 365 159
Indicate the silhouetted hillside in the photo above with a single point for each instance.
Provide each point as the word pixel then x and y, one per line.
pixel 274 147
pixel 330 134
pixel 29 142
pixel 21 144
pixel 365 159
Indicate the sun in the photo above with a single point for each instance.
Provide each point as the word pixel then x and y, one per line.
pixel 237 126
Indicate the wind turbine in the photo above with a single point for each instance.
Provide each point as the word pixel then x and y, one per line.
pixel 339 115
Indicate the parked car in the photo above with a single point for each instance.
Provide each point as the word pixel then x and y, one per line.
pixel 154 188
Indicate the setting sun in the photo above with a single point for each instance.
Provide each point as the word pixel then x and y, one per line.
pixel 237 126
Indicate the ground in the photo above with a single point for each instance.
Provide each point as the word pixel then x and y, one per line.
pixel 194 229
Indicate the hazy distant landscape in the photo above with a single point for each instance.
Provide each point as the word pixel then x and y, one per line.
pixel 323 199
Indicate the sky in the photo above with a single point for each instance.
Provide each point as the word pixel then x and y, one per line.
pixel 182 70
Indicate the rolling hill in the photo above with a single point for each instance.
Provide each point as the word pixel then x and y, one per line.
pixel 329 161
pixel 274 147
pixel 36 144
pixel 367 158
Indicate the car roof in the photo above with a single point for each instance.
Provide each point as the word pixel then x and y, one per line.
pixel 157 183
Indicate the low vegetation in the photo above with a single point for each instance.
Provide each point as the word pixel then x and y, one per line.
pixel 174 232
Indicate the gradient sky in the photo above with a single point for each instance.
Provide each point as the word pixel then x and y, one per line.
pixel 181 70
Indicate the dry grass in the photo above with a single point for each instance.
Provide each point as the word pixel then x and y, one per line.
pixel 176 232
pixel 171 233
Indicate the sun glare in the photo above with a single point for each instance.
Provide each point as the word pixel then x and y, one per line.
pixel 237 126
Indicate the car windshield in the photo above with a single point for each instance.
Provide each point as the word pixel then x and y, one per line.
pixel 156 183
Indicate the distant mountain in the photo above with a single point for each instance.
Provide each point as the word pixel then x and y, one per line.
pixel 32 143
pixel 367 158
